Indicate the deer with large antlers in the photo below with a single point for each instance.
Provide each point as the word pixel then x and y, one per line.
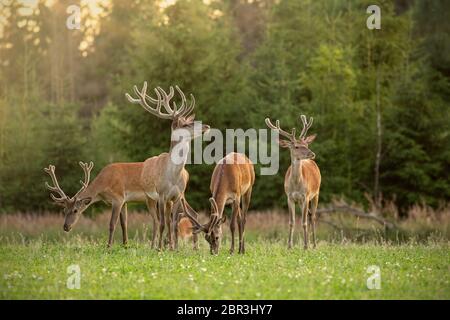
pixel 116 184
pixel 231 183
pixel 164 177
pixel 119 183
pixel 302 179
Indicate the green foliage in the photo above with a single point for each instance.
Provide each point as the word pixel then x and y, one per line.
pixel 105 138
pixel 243 62
pixel 33 139
pixel 187 47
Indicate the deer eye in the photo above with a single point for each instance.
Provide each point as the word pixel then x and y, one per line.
pixel 75 210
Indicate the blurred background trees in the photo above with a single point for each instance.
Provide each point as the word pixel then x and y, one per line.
pixel 371 91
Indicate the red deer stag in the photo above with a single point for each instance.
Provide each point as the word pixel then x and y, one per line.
pixel 302 180
pixel 231 182
pixel 116 184
pixel 164 177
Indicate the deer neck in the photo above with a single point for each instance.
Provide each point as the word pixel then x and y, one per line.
pixel 297 172
pixel 90 192
pixel 178 154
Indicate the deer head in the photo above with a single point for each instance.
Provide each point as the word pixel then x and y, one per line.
pixel 74 206
pixel 299 147
pixel 181 116
pixel 212 229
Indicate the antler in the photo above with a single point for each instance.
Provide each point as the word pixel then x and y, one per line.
pixel 290 136
pixel 162 99
pixel 55 188
pixel 87 176
pixel 213 220
pixel 182 110
pixel 306 126
pixel 197 224
pixel 142 100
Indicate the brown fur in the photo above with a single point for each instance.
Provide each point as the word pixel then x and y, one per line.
pixel 185 228
pixel 232 181
pixel 163 180
pixel 311 176
pixel 302 179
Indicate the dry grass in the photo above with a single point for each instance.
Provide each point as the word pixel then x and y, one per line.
pixel 422 223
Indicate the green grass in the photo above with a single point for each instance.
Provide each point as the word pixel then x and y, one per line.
pixel 37 269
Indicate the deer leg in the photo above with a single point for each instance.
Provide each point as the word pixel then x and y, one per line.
pixel 175 221
pixel 242 219
pixel 234 215
pixel 124 223
pixel 291 205
pixel 315 202
pixel 246 201
pixel 305 208
pixel 151 205
pixel 169 224
pixel 241 225
pixel 161 208
pixel 116 208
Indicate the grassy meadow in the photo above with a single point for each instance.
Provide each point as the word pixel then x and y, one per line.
pixel 35 254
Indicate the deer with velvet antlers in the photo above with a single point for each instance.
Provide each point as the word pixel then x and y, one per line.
pixel 116 184
pixel 164 178
pixel 231 183
pixel 302 179
pixel 157 181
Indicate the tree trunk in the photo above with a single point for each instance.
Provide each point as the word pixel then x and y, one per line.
pixel 376 188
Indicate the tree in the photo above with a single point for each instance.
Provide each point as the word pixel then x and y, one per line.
pixel 188 44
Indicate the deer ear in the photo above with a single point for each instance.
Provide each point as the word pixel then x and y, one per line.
pixel 284 143
pixel 310 138
pixel 224 218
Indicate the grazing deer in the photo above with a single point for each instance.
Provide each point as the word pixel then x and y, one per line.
pixel 232 180
pixel 164 177
pixel 116 184
pixel 302 180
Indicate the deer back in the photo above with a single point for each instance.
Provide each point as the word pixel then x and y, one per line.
pixel 117 179
pixel 234 174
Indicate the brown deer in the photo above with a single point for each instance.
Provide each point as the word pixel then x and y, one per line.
pixel 116 184
pixel 164 177
pixel 231 182
pixel 302 180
